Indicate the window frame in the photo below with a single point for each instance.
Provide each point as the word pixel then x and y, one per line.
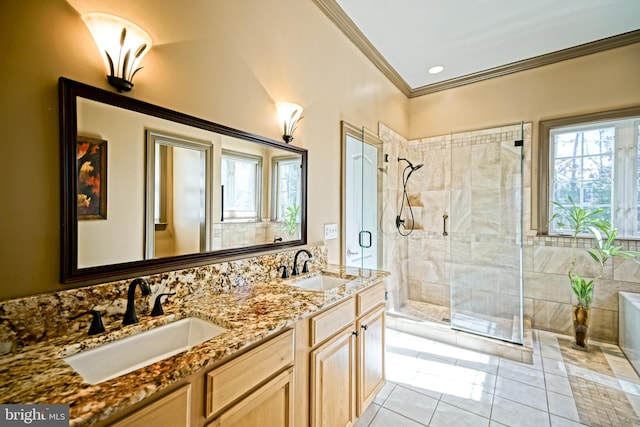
pixel 544 177
pixel 275 175
pixel 258 185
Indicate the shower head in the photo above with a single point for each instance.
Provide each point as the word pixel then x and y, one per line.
pixel 413 168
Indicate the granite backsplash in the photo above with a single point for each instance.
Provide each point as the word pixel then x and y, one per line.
pixel 43 318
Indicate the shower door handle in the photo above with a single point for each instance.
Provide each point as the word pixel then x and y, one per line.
pixel 444 224
pixel 361 240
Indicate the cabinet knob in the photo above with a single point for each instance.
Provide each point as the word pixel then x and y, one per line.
pixel 355 333
pixel 364 327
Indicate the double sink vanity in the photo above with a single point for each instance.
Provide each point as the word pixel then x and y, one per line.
pixel 304 351
pixel 232 344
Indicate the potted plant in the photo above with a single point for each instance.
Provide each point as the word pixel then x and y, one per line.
pixel 588 222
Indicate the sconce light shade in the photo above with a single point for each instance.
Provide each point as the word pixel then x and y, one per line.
pixel 122 45
pixel 289 115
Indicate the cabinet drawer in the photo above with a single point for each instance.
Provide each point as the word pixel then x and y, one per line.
pixel 371 297
pixel 227 383
pixel 331 321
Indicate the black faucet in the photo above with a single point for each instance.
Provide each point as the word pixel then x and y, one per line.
pixel 130 316
pixel 305 268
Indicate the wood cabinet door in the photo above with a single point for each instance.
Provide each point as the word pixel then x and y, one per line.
pixel 271 405
pixel 169 411
pixel 333 381
pixel 370 357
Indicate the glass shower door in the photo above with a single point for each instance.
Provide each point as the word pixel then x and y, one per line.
pixel 486 234
pixel 361 199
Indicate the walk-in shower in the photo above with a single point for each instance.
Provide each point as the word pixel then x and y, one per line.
pixel 467 276
pixel 400 222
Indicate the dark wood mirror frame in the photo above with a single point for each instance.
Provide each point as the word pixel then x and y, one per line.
pixel 69 91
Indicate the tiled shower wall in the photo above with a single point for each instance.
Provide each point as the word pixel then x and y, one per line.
pixel 420 263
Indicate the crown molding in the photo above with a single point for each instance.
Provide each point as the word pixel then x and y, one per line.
pixel 334 12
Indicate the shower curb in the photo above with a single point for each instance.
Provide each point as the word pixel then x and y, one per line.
pixel 443 333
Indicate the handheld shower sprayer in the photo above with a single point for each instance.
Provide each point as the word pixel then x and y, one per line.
pixel 405 179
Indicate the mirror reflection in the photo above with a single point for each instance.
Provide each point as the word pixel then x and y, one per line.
pixel 174 189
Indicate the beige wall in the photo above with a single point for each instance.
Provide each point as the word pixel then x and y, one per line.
pixel 265 52
pixel 591 83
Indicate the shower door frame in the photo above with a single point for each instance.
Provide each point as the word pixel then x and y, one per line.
pixel 367 137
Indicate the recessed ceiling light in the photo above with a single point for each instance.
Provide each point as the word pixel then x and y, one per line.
pixel 435 70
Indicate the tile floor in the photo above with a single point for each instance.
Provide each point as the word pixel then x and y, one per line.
pixel 435 384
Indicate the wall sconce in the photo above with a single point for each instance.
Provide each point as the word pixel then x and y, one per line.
pixel 289 115
pixel 122 45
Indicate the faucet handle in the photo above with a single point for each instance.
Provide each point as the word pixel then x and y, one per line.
pixel 96 323
pixel 285 271
pixel 305 266
pixel 157 305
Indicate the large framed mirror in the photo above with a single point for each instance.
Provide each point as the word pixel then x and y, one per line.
pixel 147 189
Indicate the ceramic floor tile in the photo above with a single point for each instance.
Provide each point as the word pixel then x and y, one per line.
pixel 623 369
pixel 547 338
pixel 562 405
pixel 550 352
pixel 630 387
pixel 447 415
pixel 384 392
pixel 427 384
pixel 522 393
pixel 439 384
pixel 554 366
pixel 512 413
pixel 479 403
pixel 557 421
pixel 368 416
pixel 521 374
pixel 488 364
pixel 635 403
pixel 557 384
pixel 411 404
pixel 386 418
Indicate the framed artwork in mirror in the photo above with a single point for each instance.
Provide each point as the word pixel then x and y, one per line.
pixel 92 178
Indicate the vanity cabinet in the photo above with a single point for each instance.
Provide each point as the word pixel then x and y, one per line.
pixel 323 372
pixel 346 358
pixel 254 389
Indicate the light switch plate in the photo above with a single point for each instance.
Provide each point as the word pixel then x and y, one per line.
pixel 330 231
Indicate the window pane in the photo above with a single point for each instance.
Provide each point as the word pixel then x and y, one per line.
pixel 599 141
pixel 288 186
pixel 239 177
pixel 568 144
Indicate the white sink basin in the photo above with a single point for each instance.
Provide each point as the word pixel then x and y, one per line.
pixel 320 282
pixel 134 352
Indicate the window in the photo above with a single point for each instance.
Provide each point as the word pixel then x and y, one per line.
pixel 286 182
pixel 240 177
pixel 594 161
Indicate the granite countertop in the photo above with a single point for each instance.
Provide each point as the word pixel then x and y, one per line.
pixel 38 374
